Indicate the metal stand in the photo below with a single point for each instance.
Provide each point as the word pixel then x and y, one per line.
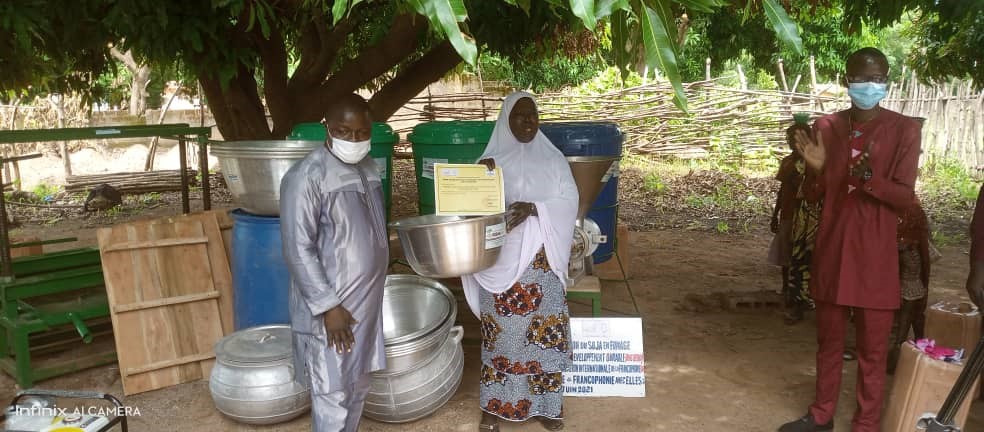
pixel 943 422
pixel 32 289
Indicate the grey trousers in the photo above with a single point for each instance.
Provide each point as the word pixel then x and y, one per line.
pixel 339 411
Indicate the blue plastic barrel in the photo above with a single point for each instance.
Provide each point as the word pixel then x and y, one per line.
pixel 260 280
pixel 593 139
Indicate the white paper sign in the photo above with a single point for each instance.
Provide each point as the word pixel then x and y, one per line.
pixel 381 166
pixel 427 166
pixel 608 358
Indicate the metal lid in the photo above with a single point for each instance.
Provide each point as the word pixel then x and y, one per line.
pixel 261 344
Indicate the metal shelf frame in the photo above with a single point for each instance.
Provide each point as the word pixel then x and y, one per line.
pixel 181 132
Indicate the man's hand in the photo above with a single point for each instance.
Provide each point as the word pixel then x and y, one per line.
pixel 813 152
pixel 975 284
pixel 518 212
pixel 338 326
pixel 489 163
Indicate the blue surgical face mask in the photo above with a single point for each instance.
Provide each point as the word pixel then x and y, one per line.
pixel 866 95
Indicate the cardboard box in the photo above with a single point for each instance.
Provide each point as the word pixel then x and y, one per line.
pixel 920 387
pixel 955 324
pixel 609 270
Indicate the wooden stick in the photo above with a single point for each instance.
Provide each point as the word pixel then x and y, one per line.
pixel 155 244
pixel 168 363
pixel 139 306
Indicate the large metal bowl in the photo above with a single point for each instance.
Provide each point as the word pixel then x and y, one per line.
pixel 451 246
pixel 417 315
pixel 253 170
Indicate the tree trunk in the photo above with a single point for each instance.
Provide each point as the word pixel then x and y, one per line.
pixel 138 84
pixel 236 106
pixel 138 90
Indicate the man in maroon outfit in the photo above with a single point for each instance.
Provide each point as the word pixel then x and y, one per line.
pixel 866 161
pixel 975 282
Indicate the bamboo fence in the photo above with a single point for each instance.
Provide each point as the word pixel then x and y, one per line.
pixel 720 118
pixel 736 120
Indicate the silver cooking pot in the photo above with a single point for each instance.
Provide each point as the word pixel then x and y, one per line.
pixel 451 246
pixel 418 313
pixel 252 380
pixel 419 392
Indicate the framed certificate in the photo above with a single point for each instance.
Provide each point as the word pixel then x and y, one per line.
pixel 468 190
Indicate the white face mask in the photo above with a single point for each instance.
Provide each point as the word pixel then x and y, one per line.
pixel 348 151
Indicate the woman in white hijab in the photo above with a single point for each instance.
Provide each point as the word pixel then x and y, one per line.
pixel 521 299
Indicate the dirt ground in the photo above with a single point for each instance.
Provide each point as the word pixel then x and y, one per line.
pixel 711 371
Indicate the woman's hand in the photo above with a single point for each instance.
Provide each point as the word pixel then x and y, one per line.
pixel 518 212
pixel 489 163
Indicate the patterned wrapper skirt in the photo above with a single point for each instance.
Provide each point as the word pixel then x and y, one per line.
pixel 525 346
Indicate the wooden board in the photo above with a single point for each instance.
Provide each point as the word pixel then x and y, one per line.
pixel 161 341
pixel 219 256
pixel 225 225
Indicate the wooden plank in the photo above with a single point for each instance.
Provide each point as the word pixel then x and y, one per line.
pixel 161 334
pixel 126 246
pixel 218 229
pixel 225 225
pixel 168 363
pixel 165 302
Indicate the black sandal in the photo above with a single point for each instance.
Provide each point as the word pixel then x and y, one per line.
pixel 482 427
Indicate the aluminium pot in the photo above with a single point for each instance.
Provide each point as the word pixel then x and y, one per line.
pixel 252 380
pixel 418 313
pixel 417 393
pixel 451 246
pixel 253 170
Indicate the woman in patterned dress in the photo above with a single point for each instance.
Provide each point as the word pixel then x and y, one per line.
pixel 521 299
pixel 805 223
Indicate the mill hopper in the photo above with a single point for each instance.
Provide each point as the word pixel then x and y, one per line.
pixel 591 173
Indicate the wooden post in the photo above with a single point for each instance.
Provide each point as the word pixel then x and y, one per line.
pixel 59 107
pixel 741 78
pixel 149 164
pixel 707 69
pixel 782 77
pixel 813 84
pixel 13 125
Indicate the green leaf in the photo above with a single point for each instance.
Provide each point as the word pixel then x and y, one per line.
pixel 784 26
pixel 445 15
pixel 660 52
pixel 604 8
pixel 263 16
pixel 458 8
pixel 585 10
pixel 524 5
pixel 707 6
pixel 338 11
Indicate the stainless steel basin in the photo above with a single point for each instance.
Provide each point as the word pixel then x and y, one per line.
pixel 253 170
pixel 451 246
pixel 417 315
